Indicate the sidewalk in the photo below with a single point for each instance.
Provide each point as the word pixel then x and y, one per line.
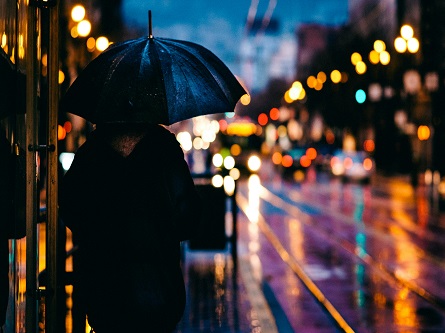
pixel 222 295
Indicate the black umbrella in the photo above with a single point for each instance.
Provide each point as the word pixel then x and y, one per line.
pixel 155 80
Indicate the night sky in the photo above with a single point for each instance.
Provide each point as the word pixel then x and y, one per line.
pixel 220 25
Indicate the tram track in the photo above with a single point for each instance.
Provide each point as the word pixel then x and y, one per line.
pixel 389 275
pixel 297 268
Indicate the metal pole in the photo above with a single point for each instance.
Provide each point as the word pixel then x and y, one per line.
pixel 31 172
pixel 54 286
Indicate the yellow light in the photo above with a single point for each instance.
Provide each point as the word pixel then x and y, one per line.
pixel 4 39
pixel 302 94
pixel 360 68
pixel 241 129
pixel 385 58
pixel 297 84
pixel 229 162
pixel 400 45
pixel 61 76
pixel 234 173
pixel 423 132
pixel 413 45
pixel 21 47
pixel 229 185
pixel 217 160
pixel 282 131
pixel 254 163
pixel 198 143
pixel 294 92
pixel 379 46
pixel 84 28
pixel 78 13
pixel 217 181
pixel 102 43
pixel 287 97
pixel 335 76
pixel 245 99
pixel 355 58
pixel 406 31
pixel 374 57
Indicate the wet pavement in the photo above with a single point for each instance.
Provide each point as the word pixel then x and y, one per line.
pixel 323 256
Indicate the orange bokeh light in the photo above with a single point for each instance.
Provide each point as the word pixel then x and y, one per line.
pixel 61 132
pixel 287 161
pixel 274 114
pixel 305 161
pixel 262 119
pixel 67 126
pixel 348 163
pixel 369 145
pixel 223 125
pixel 311 153
pixel 367 164
pixel 277 158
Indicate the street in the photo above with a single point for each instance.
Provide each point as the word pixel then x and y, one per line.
pixel 336 256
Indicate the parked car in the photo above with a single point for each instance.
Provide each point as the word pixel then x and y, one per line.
pixel 352 165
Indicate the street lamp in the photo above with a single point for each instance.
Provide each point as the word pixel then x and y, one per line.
pixel 406 41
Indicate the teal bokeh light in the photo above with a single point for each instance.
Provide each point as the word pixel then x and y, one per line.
pixel 360 96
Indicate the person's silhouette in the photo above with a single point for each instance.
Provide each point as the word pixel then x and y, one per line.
pixel 130 200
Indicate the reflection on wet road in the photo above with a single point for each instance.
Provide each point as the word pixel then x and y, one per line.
pixel 348 257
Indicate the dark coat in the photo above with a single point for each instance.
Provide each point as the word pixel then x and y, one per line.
pixel 6 221
pixel 128 216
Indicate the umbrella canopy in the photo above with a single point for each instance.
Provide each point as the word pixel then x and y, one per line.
pixel 154 80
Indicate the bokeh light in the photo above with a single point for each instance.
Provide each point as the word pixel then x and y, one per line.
pixel 78 13
pixel 360 96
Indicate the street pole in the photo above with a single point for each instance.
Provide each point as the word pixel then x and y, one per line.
pixel 32 75
pixel 53 262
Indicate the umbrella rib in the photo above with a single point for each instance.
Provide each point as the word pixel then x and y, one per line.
pixel 204 62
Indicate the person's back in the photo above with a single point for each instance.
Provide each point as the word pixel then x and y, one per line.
pixel 129 200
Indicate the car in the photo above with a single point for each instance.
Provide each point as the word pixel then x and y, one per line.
pixel 352 165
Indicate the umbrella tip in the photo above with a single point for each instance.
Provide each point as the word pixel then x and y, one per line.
pixel 150 28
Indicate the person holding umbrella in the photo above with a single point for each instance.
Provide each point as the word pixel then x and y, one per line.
pixel 128 196
pixel 12 178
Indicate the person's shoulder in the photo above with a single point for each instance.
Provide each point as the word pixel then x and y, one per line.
pixel 160 132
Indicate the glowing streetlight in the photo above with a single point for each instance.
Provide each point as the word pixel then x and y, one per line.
pixel 385 58
pixel 413 45
pixel 400 45
pixel 102 43
pixel 84 28
pixel 78 13
pixel 407 41
pixel 355 58
pixel 406 31
pixel 335 76
pixel 379 46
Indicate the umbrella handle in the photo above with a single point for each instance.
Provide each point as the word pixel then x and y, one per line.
pixel 150 28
